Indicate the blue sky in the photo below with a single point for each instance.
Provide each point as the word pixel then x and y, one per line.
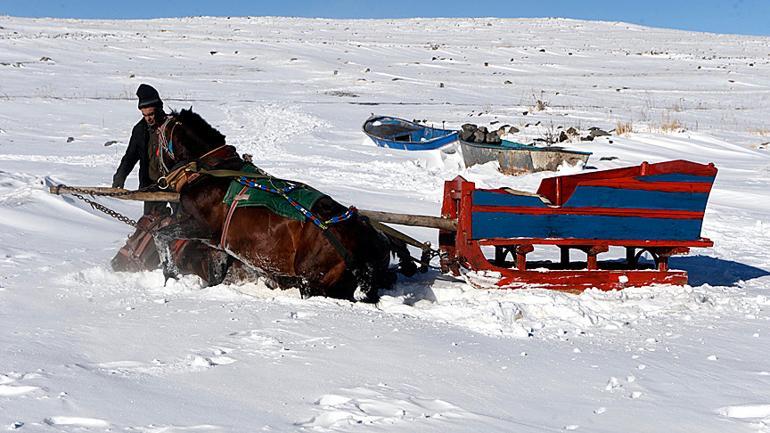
pixel 727 16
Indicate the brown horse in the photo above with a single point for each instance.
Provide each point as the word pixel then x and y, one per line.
pixel 348 259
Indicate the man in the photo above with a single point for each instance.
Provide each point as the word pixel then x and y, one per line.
pixel 143 146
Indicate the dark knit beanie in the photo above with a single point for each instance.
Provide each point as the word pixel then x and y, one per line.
pixel 148 96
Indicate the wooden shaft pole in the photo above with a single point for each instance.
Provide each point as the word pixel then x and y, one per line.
pixel 411 220
pixel 383 217
pixel 140 196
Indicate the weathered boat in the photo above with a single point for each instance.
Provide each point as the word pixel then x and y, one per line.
pixel 517 158
pixel 402 134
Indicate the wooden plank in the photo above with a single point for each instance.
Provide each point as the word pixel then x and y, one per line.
pixel 489 225
pixel 559 189
pixel 592 211
pixel 637 243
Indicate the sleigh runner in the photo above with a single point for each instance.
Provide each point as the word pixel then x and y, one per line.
pixel 657 208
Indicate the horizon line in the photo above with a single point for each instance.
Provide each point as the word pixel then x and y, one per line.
pixel 224 16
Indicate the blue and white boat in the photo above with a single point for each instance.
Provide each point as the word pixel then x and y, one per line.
pixel 402 134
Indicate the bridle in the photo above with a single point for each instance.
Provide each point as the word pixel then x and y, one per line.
pixel 181 173
pixel 166 143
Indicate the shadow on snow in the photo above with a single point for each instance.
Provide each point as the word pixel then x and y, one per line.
pixel 715 272
pixel 700 269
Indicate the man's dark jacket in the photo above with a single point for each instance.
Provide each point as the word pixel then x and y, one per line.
pixel 137 151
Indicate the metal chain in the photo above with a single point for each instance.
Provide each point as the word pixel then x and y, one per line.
pixel 100 207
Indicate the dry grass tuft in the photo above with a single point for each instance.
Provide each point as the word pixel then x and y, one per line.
pixel 540 103
pixel 671 125
pixel 623 128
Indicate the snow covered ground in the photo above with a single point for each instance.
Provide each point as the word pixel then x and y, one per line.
pixel 86 349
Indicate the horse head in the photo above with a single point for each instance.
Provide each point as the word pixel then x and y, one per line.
pixel 185 136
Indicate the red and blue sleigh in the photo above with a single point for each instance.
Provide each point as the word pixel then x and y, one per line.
pixel 654 208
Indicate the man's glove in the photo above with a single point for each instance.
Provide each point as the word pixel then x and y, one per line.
pixel 117 185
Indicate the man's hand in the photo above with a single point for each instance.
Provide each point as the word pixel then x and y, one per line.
pixel 117 185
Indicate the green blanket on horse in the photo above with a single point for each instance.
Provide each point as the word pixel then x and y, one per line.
pixel 272 193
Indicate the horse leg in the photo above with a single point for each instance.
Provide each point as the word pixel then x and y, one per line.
pixel 366 287
pixel 405 261
pixel 375 273
pixel 164 237
pixel 218 264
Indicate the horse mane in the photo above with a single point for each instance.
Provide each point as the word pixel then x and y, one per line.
pixel 200 129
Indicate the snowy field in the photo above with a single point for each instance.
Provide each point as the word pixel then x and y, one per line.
pixel 85 349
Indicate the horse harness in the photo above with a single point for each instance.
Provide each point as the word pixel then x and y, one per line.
pixel 178 177
pixel 183 174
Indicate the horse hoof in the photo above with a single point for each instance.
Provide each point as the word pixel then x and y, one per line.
pixel 168 276
pixel 367 296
